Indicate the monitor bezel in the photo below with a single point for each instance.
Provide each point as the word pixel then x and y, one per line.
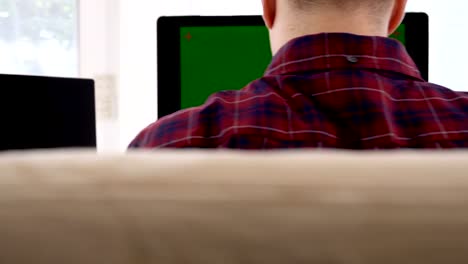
pixel 168 49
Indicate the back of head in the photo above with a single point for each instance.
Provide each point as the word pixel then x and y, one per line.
pixel 293 18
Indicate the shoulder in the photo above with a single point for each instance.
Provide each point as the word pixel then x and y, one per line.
pixel 444 95
pixel 205 125
pixel 436 112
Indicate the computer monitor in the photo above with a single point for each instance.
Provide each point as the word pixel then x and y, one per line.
pixel 198 56
pixel 46 113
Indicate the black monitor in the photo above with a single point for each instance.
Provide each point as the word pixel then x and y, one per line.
pixel 198 56
pixel 46 112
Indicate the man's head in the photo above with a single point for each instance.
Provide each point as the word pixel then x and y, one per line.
pixel 288 19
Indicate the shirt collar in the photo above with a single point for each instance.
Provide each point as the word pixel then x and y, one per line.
pixel 334 51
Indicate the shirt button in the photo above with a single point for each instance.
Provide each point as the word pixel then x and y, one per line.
pixel 352 59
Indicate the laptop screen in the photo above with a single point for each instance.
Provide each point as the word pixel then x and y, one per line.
pixel 213 54
pixel 46 112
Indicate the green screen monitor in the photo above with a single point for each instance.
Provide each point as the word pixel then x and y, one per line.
pixel 199 56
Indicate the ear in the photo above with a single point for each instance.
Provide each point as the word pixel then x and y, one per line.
pixel 269 12
pixel 397 16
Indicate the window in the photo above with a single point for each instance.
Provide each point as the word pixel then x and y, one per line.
pixel 39 37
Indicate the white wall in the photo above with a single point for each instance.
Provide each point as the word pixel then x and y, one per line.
pixel 99 60
pixel 137 52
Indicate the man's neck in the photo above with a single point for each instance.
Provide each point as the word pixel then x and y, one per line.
pixel 297 27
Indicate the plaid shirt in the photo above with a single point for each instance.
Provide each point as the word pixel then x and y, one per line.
pixel 324 91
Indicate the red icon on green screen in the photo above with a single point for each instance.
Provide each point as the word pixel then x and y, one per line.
pixel 188 37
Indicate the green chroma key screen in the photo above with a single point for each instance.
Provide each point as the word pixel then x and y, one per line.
pixel 214 59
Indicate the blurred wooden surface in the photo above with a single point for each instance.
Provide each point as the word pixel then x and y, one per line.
pixel 234 207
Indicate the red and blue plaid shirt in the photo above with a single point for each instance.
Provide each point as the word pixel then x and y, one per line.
pixel 324 91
